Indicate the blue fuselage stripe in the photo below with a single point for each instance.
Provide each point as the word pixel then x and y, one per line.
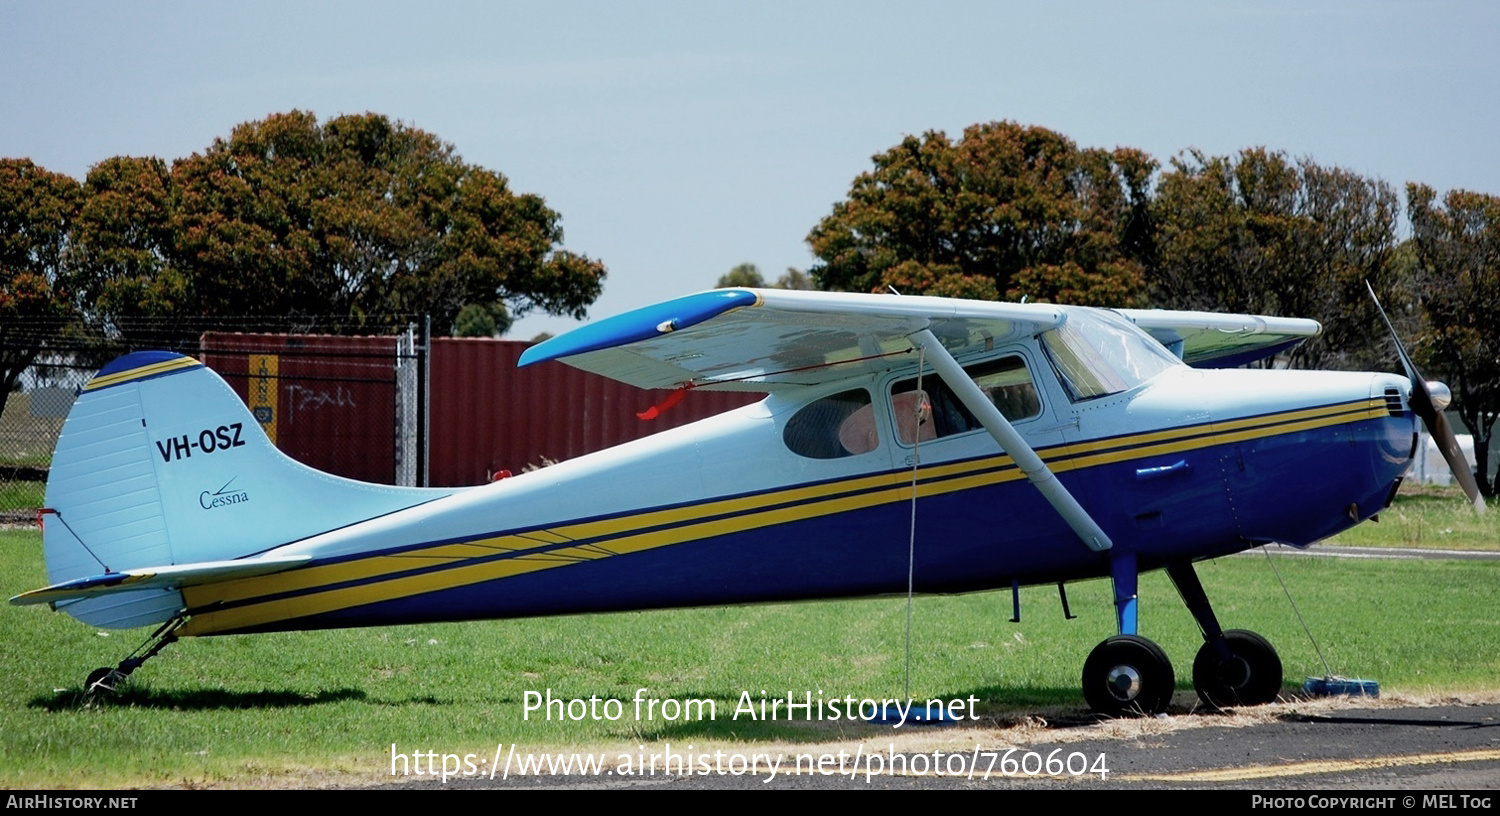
pixel 855 554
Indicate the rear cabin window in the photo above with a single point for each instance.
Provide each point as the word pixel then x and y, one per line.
pixel 834 427
pixel 935 412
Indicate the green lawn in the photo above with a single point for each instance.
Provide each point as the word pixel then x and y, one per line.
pixel 25 440
pixel 21 499
pixel 1428 518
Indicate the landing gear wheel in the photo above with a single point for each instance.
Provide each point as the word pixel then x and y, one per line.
pixel 1251 675
pixel 1128 673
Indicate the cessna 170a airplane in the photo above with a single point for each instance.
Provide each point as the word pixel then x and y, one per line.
pixel 1030 443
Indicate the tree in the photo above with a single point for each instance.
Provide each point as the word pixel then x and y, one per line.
pixel 795 278
pixel 745 275
pixel 748 275
pixel 1261 234
pixel 37 208
pixel 123 243
pixel 1007 211
pixel 357 218
pixel 482 320
pixel 1458 266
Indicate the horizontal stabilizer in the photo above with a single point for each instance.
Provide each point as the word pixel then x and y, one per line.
pixel 168 577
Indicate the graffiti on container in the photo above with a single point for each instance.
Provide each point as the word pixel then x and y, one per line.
pixel 304 398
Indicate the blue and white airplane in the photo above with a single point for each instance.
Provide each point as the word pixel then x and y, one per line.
pixel 1031 443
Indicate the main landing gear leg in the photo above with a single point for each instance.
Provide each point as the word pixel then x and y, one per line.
pixel 1234 667
pixel 1127 673
pixel 105 679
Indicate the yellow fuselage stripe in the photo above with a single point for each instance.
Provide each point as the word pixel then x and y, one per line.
pixel 659 528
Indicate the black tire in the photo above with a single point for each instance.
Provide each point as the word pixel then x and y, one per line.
pixel 101 679
pixel 1128 674
pixel 1251 676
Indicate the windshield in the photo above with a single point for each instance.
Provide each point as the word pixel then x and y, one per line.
pixel 1097 353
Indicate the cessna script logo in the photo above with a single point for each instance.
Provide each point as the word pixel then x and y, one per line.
pixel 223 497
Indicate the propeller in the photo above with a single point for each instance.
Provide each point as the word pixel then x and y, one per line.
pixel 1427 401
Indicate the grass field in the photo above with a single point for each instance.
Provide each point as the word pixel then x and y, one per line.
pixel 20 499
pixel 286 708
pixel 26 440
pixel 1428 518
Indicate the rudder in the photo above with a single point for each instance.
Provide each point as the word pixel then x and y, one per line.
pixel 159 463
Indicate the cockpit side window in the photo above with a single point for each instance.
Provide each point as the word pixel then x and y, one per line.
pixel 834 427
pixel 935 411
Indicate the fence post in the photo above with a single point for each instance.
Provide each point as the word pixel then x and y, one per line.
pixel 407 397
pixel 424 360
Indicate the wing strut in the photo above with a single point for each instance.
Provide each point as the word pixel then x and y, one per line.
pixel 1011 442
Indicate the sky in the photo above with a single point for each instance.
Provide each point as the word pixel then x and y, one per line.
pixel 677 140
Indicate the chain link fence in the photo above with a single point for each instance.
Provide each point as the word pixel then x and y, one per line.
pixel 349 405
pixel 29 425
pixel 395 407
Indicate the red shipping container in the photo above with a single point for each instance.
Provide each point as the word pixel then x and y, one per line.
pixel 489 416
pixel 330 402
pixel 327 401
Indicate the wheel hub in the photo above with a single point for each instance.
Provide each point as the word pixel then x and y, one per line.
pixel 1124 682
pixel 1241 669
pixel 1127 674
pixel 1235 672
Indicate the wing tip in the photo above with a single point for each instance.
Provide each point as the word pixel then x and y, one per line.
pixel 641 324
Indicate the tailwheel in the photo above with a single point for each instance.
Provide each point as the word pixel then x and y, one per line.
pixel 1250 676
pixel 1128 674
pixel 103 679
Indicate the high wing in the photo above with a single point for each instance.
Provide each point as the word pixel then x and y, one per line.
pixel 770 339
pixel 766 340
pixel 1213 340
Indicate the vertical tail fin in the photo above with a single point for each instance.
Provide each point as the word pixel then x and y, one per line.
pixel 159 463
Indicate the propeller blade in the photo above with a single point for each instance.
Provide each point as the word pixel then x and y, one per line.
pixel 1420 400
pixel 1448 444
